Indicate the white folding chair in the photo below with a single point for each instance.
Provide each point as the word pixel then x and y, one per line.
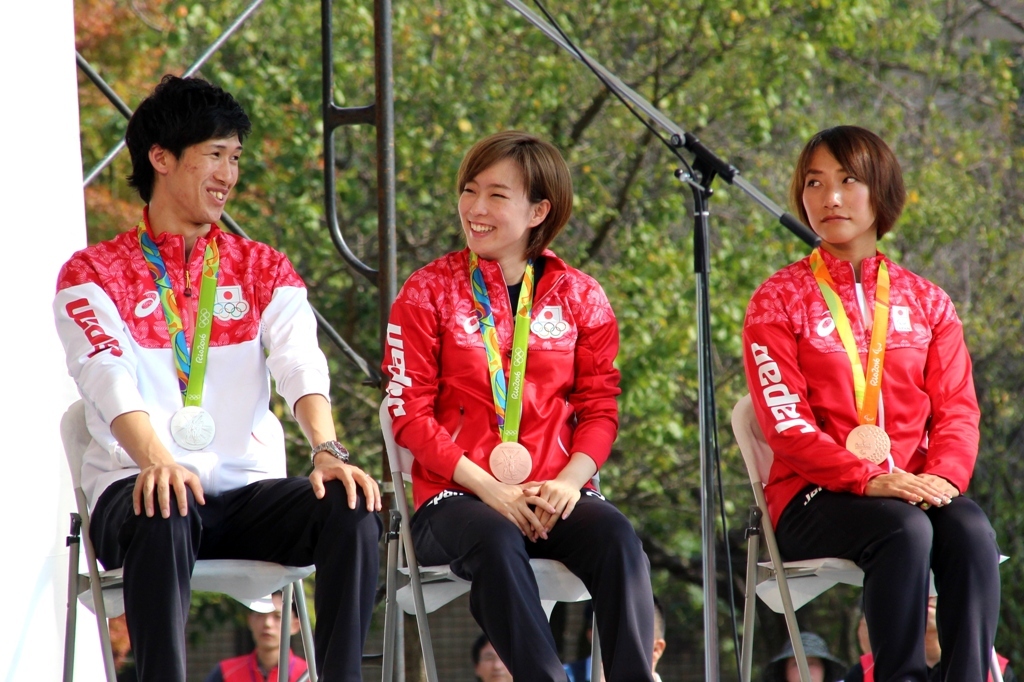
pixel 431 587
pixel 249 582
pixel 799 582
pixel 786 590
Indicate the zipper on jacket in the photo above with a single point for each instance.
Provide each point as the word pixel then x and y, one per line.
pixel 549 292
pixel 188 312
pixel 458 427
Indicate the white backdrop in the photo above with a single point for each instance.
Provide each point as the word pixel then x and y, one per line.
pixel 43 219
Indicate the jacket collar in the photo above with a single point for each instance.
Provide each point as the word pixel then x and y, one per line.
pixel 554 268
pixel 842 271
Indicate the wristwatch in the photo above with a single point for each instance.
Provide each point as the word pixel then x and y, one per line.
pixel 335 448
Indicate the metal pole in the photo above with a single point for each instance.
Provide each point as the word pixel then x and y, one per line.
pixel 333 117
pixel 285 650
pixel 708 427
pixel 71 625
pixel 387 283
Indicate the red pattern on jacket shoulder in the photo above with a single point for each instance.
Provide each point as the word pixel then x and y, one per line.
pixel 430 288
pixel 118 267
pixel 791 296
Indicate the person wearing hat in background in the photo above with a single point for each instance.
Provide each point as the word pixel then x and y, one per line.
pixel 823 666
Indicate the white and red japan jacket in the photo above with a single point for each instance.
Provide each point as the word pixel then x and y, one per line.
pixel 801 380
pixel 440 396
pixel 118 350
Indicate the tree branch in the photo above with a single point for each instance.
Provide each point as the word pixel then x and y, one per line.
pixel 1003 14
pixel 623 197
pixel 584 121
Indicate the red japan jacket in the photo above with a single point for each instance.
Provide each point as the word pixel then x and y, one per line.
pixel 440 396
pixel 801 380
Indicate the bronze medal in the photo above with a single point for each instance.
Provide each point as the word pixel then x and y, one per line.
pixel 510 463
pixel 869 442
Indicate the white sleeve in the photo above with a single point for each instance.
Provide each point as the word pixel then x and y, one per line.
pixel 294 357
pixel 99 353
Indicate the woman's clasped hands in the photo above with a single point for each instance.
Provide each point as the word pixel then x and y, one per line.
pixel 920 489
pixel 534 506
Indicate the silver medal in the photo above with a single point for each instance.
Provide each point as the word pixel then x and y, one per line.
pixel 192 428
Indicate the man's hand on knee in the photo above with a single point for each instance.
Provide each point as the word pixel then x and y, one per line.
pixel 154 485
pixel 353 478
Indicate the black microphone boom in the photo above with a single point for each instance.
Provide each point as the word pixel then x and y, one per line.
pixel 678 136
pixel 699 177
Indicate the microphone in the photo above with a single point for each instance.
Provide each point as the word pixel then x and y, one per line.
pixel 793 224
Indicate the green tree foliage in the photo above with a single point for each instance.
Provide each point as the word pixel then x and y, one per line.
pixel 941 81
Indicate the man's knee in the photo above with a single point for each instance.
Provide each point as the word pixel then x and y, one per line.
pixel 155 536
pixel 336 510
pixel 174 524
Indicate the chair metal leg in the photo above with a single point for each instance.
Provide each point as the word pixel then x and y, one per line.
pixel 71 623
pixel 305 629
pixel 784 594
pixel 284 656
pixel 753 534
pixel 596 669
pixel 400 650
pixel 995 674
pixel 422 623
pixel 391 620
pixel 97 591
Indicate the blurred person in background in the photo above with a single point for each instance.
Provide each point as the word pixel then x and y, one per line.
pixel 260 665
pixel 487 665
pixel 864 669
pixel 823 666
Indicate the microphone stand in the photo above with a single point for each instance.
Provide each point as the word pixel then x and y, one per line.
pixel 706 166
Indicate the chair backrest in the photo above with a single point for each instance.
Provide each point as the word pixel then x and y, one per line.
pixel 756 454
pixel 399 459
pixel 76 438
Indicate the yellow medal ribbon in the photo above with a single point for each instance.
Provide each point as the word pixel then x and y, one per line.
pixel 867 385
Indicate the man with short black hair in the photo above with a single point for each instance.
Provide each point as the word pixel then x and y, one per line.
pixel 172 331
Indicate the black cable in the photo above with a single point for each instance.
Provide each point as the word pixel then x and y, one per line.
pixel 728 557
pixel 583 58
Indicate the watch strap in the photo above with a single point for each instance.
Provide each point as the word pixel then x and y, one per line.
pixel 333 447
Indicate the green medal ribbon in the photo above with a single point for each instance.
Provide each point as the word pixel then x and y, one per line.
pixel 508 404
pixel 190 366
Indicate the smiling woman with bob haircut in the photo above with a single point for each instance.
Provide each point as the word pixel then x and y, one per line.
pixel 862 384
pixel 505 393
